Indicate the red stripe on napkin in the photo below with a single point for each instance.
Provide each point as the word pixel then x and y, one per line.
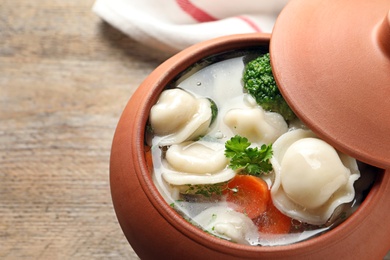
pixel 249 22
pixel 195 12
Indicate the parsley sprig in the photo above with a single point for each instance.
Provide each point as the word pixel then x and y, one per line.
pixel 252 160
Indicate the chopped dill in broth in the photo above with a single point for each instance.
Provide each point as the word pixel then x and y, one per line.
pixel 207 108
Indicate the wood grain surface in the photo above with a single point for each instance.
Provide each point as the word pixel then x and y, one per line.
pixel 65 77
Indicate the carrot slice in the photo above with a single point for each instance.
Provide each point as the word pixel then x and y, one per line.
pixel 248 194
pixel 148 158
pixel 272 221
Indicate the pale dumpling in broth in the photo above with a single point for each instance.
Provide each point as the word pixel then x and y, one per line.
pixel 251 121
pixel 199 162
pixel 311 178
pixel 179 116
pixel 228 224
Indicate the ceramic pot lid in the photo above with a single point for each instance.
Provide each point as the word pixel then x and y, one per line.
pixel 331 60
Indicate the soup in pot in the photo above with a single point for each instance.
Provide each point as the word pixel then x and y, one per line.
pixel 243 171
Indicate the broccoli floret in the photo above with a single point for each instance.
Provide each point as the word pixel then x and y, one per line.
pixel 260 83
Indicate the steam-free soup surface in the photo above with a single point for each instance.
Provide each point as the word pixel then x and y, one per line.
pixel 191 169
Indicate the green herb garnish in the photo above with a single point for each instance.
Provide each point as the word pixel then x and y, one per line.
pixel 252 160
pixel 207 190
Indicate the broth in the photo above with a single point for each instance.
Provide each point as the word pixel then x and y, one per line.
pixel 219 78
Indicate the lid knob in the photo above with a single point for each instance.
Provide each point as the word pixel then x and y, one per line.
pixel 384 35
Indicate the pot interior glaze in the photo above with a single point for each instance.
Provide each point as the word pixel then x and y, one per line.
pixel 154 229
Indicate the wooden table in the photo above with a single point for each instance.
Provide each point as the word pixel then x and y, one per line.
pixel 65 77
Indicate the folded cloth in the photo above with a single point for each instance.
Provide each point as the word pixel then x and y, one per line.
pixel 172 25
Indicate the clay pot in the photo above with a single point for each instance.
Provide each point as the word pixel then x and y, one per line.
pixel 156 231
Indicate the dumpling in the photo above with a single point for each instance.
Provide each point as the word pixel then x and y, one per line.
pixel 179 116
pixel 251 121
pixel 311 178
pixel 199 162
pixel 226 223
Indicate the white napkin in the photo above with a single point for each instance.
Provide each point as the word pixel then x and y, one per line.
pixel 172 25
